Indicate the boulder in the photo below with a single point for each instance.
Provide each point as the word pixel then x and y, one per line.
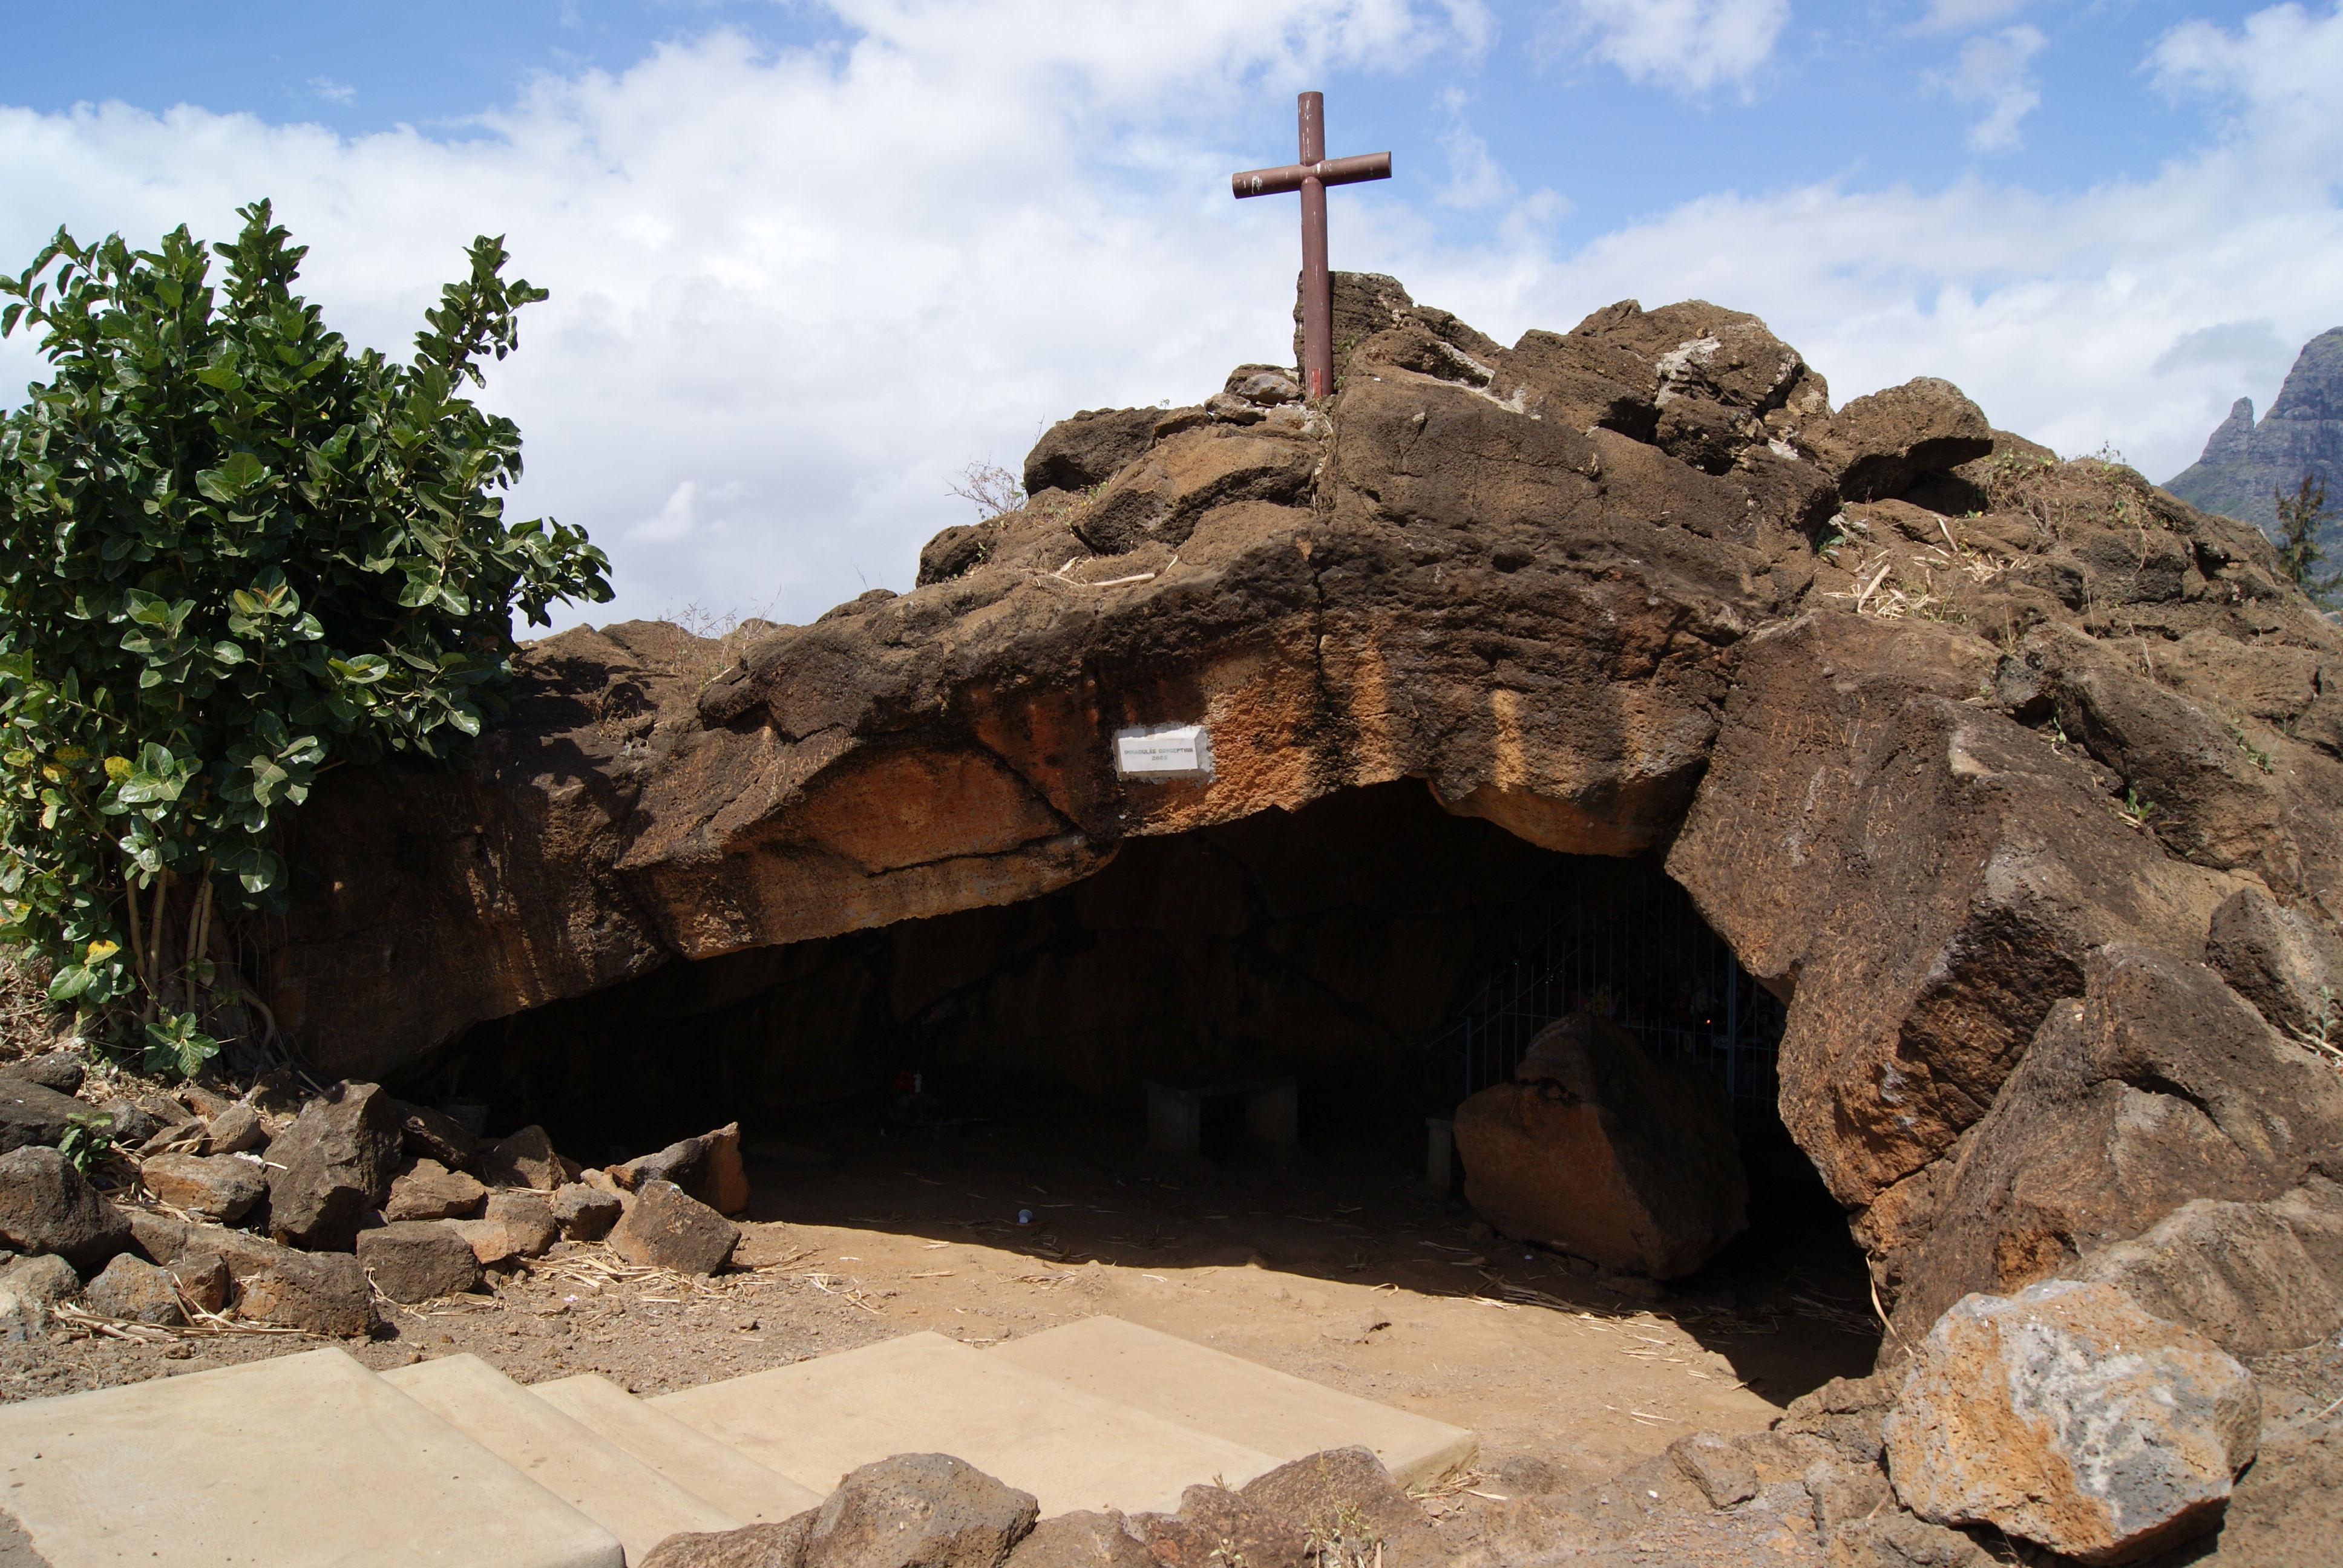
pixel 1878 446
pixel 1085 1539
pixel 1216 1526
pixel 1161 497
pixel 1347 1503
pixel 60 1071
pixel 428 1134
pixel 2282 960
pixel 524 1159
pixel 203 1279
pixel 665 1228
pixel 322 1292
pixel 429 1191
pixel 917 1510
pixel 780 1544
pixel 46 1207
pixel 331 1166
pixel 33 1115
pixel 235 1129
pixel 517 1223
pixel 1721 1471
pixel 708 1167
pixel 584 1212
pixel 1087 449
pixel 417 1260
pixel 30 1289
pixel 1599 1149
pixel 219 1187
pixel 135 1291
pixel 2066 1416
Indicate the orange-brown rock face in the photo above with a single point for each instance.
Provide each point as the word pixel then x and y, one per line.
pixel 1927 734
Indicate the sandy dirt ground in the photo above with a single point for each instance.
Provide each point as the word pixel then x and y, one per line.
pixel 1333 1266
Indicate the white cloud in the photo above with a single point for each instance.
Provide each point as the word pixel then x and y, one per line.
pixel 333 92
pixel 1992 71
pixel 1960 16
pixel 1690 47
pixel 1475 179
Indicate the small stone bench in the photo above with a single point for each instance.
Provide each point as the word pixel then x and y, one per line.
pixel 1175 1112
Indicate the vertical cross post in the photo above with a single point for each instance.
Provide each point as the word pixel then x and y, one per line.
pixel 1311 176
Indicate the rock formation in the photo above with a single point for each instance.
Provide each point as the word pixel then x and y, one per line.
pixel 2245 463
pixel 1975 757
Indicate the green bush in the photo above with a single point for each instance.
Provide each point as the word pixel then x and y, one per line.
pixel 234 553
pixel 2300 518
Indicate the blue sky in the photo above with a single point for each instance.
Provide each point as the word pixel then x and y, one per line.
pixel 810 259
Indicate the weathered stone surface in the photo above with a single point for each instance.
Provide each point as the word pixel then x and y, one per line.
pixel 45 1206
pixel 1215 1525
pixel 323 1293
pixel 42 1282
pixel 1349 1507
pixel 1087 449
pixel 429 1191
pixel 428 1134
pixel 60 1071
pixel 928 1510
pixel 2069 1417
pixel 415 1259
pixel 708 1167
pixel 780 1544
pixel 1878 446
pixel 218 1187
pixel 1599 1149
pixel 1085 1539
pixel 524 1159
pixel 1721 1471
pixel 2239 1274
pixel 133 1291
pixel 235 1129
pixel 332 1166
pixel 204 1279
pixel 516 1223
pixel 584 1214
pixel 33 1115
pixel 2282 960
pixel 667 1228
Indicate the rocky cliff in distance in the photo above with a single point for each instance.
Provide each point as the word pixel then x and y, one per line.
pixel 2245 463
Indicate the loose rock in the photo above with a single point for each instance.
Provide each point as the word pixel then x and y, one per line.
pixel 669 1229
pixel 338 1159
pixel 235 1130
pixel 429 1191
pixel 2069 1417
pixel 1341 1494
pixel 775 1545
pixel 524 1159
pixel 1599 1149
pixel 415 1259
pixel 30 1289
pixel 204 1279
pixel 1721 1471
pixel 1215 1526
pixel 916 1511
pixel 583 1212
pixel 428 1134
pixel 46 1207
pixel 135 1291
pixel 33 1115
pixel 60 1071
pixel 208 1186
pixel 322 1292
pixel 1082 1540
pixel 708 1167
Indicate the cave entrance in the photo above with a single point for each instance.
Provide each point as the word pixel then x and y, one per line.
pixel 1389 957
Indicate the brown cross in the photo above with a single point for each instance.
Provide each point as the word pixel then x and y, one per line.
pixel 1311 176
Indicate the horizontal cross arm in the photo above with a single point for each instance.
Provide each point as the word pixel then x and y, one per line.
pixel 1331 172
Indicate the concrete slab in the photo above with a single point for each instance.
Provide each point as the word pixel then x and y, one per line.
pixel 924 1393
pixel 1212 1392
pixel 589 1472
pixel 692 1459
pixel 307 1460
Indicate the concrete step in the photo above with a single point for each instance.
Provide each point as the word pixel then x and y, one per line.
pixel 589 1472
pixel 307 1460
pixel 1210 1391
pixel 692 1460
pixel 924 1393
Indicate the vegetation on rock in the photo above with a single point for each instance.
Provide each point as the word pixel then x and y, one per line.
pixel 234 553
pixel 2299 518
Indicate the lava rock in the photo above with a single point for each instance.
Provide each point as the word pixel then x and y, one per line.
pixel 1878 446
pixel 524 1159
pixel 1216 1526
pixel 33 1115
pixel 417 1260
pixel 219 1187
pixel 917 1510
pixel 60 1071
pixel 2068 1416
pixel 667 1228
pixel 429 1191
pixel 30 1289
pixel 135 1291
pixel 45 1206
pixel 428 1134
pixel 204 1279
pixel 1087 449
pixel 584 1214
pixel 1082 1540
pixel 1721 1471
pixel 331 1166
pixel 322 1292
pixel 1341 1494
pixel 779 1544
pixel 2285 963
pixel 1600 1150
pixel 130 1124
pixel 236 1130
pixel 708 1167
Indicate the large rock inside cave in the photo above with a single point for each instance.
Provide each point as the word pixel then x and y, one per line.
pixel 1928 722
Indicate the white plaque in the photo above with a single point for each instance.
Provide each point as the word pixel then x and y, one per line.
pixel 1163 752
